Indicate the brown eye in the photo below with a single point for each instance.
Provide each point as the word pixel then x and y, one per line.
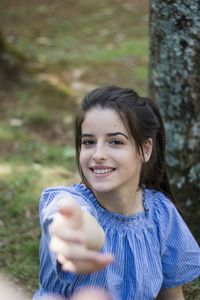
pixel 87 142
pixel 116 142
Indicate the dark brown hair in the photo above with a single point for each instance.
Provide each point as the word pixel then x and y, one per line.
pixel 142 119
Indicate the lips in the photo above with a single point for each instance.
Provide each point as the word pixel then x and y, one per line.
pixel 102 170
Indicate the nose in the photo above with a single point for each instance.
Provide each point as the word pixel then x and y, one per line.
pixel 100 153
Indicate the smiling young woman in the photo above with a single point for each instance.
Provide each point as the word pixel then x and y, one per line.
pixel 119 228
pixel 110 162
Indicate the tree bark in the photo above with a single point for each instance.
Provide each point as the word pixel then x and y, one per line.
pixel 174 83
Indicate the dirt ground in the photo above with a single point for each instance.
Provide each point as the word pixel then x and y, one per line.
pixel 11 291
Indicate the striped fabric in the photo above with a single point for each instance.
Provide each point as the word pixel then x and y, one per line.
pixel 153 249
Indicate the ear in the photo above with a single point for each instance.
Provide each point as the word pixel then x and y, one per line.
pixel 147 149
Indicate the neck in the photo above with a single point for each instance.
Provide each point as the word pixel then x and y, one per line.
pixel 123 203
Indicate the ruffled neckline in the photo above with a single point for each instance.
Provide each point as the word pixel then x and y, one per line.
pixel 109 216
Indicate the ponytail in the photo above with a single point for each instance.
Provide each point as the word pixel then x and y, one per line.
pixel 154 172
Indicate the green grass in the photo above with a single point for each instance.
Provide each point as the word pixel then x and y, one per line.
pixel 20 188
pixel 18 215
pixel 130 49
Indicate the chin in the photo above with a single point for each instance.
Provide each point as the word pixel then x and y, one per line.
pixel 100 188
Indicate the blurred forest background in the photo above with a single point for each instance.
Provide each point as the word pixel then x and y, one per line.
pixel 51 54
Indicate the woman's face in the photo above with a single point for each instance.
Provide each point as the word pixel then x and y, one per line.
pixel 108 158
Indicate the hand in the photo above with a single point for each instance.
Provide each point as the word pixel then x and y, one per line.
pixel 91 293
pixel 69 241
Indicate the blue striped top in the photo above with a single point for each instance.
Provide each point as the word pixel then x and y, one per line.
pixel 153 249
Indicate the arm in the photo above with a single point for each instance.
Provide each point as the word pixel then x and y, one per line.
pixel 171 294
pixel 76 238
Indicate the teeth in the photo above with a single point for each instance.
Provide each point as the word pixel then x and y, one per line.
pixel 102 171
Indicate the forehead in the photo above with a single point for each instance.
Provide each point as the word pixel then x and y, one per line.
pixel 104 119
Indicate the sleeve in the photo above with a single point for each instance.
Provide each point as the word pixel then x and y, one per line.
pixel 50 270
pixel 52 198
pixel 50 201
pixel 180 253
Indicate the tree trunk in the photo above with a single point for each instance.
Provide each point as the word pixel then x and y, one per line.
pixel 174 83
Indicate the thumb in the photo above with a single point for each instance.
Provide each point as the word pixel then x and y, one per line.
pixel 70 210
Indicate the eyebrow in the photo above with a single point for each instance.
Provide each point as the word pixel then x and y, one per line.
pixel 108 134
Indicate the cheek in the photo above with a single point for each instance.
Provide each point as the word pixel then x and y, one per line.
pixel 82 158
pixel 133 160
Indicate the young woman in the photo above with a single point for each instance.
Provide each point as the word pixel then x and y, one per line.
pixel 119 229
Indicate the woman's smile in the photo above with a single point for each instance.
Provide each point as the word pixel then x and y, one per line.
pixel 101 170
pixel 109 159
